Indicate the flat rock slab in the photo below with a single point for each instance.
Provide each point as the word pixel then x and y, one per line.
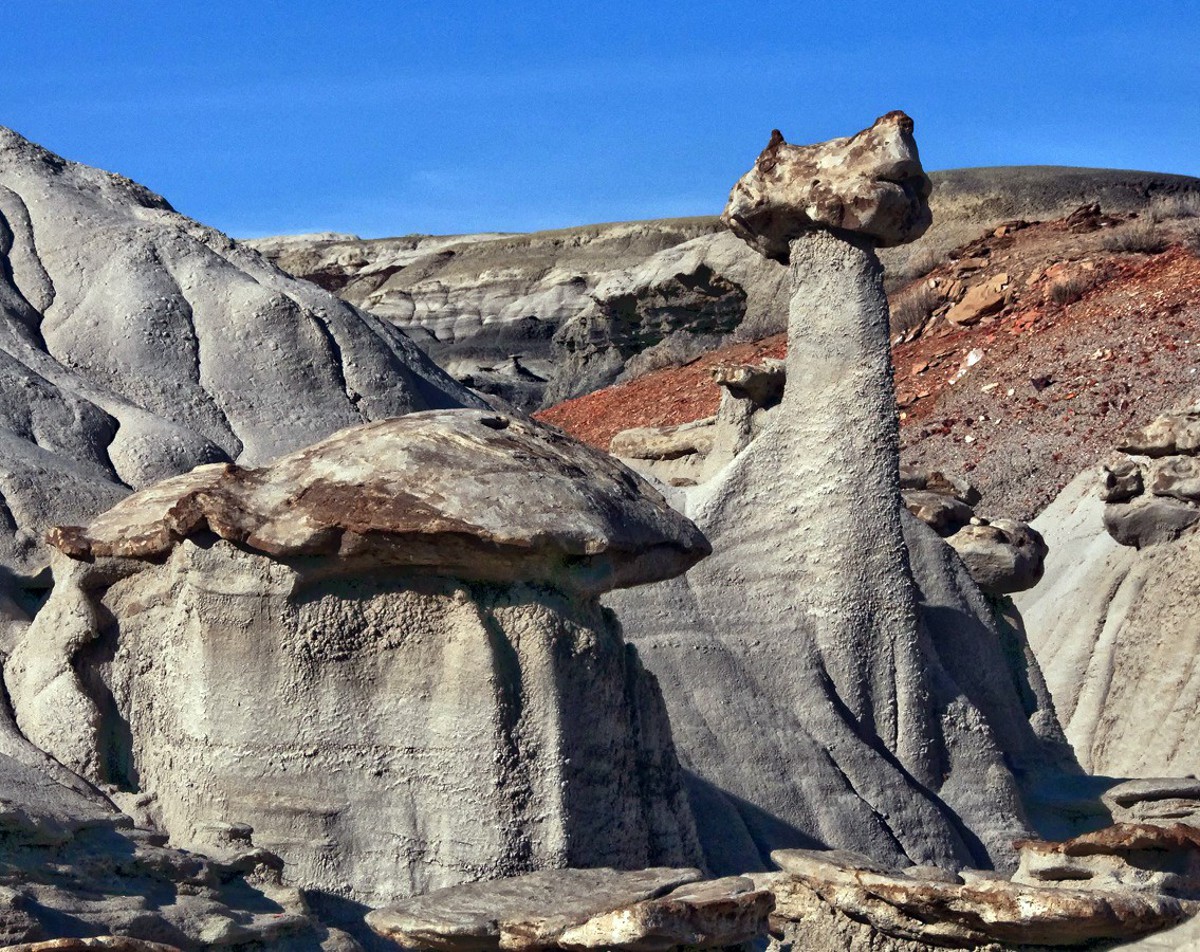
pixel 468 493
pixel 639 911
pixel 980 911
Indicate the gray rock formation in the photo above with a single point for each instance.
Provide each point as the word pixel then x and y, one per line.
pixel 651 910
pixel 384 653
pixel 74 866
pixel 1002 555
pixel 136 344
pixel 1123 664
pixel 832 630
pixel 1157 499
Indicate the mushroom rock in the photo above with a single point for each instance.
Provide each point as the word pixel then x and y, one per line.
pixel 383 653
pixel 832 674
pixel 870 184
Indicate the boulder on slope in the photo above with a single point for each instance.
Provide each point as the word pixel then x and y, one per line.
pixel 383 653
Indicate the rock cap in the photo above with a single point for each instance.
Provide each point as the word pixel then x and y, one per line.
pixel 871 184
pixel 472 494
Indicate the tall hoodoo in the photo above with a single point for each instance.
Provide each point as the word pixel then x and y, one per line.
pixel 857 661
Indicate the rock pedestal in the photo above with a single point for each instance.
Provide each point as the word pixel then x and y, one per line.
pixel 383 653
pixel 830 629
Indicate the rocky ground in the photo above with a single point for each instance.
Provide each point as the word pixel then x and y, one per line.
pixel 1095 328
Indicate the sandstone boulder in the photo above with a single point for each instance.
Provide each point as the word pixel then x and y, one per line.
pixel 1172 434
pixel 828 904
pixel 980 301
pixel 1125 857
pixel 1122 481
pixel 871 184
pixel 382 653
pixel 944 514
pixel 650 910
pixel 1162 800
pixel 1002 555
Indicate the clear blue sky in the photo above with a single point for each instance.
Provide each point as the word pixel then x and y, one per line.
pixel 397 116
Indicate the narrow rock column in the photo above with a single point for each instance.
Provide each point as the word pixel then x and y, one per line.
pixel 830 461
pixel 842 439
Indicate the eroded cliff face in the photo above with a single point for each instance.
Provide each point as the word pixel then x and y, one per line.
pixel 1124 663
pixel 383 653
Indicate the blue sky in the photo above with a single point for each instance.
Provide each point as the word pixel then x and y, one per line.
pixel 399 116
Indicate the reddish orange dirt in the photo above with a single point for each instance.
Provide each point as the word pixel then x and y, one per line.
pixel 660 398
pixel 1053 388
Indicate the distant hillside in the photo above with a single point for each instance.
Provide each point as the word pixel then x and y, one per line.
pixel 541 317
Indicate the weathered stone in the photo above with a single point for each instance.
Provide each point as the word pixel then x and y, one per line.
pixel 1123 857
pixel 470 494
pixel 205 347
pixel 762 384
pixel 874 907
pixel 719 913
pixel 1177 477
pixel 1149 520
pixel 666 442
pixel 1003 556
pixel 1172 434
pixel 1163 800
pixel 935 481
pixel 870 184
pixel 640 911
pixel 1122 481
pixel 943 514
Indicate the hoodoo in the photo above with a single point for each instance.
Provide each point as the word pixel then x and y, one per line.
pixel 832 673
pixel 384 653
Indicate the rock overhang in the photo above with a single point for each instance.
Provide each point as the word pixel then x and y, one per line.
pixel 870 184
pixel 476 495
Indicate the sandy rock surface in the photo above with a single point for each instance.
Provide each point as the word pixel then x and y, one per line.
pixel 649 910
pixel 1122 663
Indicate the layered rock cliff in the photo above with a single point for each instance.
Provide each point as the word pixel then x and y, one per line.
pixel 540 317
